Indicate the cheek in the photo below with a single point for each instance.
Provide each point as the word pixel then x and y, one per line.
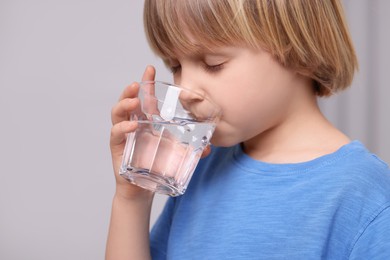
pixel 248 109
pixel 240 120
pixel 253 97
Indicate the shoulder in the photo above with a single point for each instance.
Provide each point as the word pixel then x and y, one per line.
pixel 361 169
pixel 364 184
pixel 366 177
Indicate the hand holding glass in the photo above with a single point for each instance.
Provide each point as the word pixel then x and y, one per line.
pixel 174 126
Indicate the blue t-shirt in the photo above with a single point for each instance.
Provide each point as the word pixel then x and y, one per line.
pixel 333 207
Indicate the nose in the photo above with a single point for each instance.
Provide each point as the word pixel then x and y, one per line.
pixel 191 85
pixel 188 97
pixel 194 97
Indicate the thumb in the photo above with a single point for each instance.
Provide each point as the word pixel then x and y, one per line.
pixel 149 74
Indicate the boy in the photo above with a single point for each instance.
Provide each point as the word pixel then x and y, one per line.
pixel 281 181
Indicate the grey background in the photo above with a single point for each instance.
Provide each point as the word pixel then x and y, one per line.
pixel 63 65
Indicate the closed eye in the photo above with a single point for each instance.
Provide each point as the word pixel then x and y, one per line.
pixel 213 68
pixel 208 68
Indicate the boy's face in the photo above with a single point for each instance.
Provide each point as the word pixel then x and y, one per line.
pixel 255 92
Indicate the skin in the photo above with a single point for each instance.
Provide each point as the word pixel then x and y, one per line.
pixel 269 109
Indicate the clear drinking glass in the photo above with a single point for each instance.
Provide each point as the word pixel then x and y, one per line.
pixel 174 126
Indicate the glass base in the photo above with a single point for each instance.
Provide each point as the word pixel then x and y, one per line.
pixel 152 181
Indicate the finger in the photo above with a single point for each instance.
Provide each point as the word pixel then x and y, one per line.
pixel 122 109
pixel 130 91
pixel 149 74
pixel 150 100
pixel 119 131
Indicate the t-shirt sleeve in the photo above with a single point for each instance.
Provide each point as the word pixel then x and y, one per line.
pixel 160 232
pixel 374 242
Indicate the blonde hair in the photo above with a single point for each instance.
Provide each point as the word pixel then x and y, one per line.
pixel 308 36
